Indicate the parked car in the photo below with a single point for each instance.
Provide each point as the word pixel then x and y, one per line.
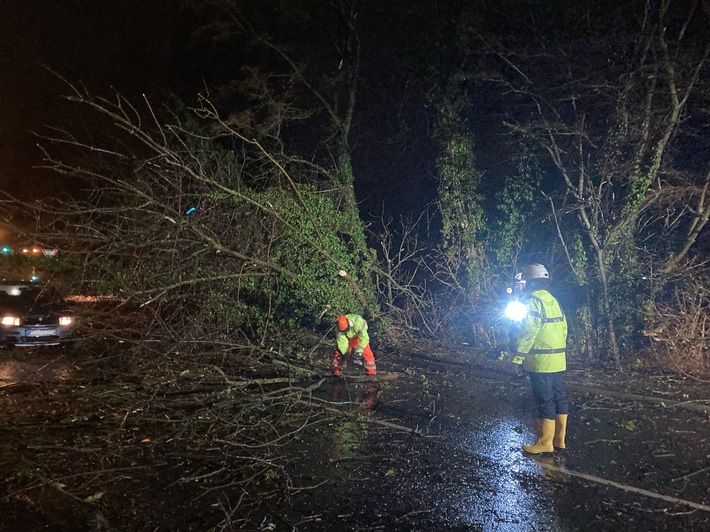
pixel 33 314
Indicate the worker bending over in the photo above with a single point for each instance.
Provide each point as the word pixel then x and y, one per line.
pixel 352 337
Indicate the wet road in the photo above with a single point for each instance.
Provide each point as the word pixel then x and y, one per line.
pixel 26 366
pixel 629 465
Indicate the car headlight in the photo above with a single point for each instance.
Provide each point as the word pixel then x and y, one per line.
pixel 10 320
pixel 66 320
pixel 516 311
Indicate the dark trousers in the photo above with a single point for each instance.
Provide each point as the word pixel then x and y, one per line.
pixel 549 393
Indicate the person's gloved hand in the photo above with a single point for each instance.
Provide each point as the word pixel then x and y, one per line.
pixel 497 354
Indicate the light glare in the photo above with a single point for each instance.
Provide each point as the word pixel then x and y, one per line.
pixel 516 311
pixel 10 320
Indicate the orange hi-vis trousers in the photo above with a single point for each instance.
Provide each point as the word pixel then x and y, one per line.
pixel 367 355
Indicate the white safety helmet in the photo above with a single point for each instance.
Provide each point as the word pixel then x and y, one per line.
pixel 519 282
pixel 535 271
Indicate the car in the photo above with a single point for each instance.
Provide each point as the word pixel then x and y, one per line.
pixel 33 314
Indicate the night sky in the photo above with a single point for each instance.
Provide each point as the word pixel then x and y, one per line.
pixel 138 47
pixel 149 47
pixel 124 44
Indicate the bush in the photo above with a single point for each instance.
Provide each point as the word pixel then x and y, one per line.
pixel 678 323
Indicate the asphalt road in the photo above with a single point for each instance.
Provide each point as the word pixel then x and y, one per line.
pixel 630 465
pixel 436 445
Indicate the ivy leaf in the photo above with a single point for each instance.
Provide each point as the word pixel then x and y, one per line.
pixel 95 497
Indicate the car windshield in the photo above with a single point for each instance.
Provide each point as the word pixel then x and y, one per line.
pixel 26 294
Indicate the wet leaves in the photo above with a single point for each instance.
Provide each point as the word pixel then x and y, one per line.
pixel 629 425
pixel 95 497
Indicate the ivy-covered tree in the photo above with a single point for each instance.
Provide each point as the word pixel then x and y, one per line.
pixel 608 128
pixel 458 198
pixel 292 85
pixel 517 212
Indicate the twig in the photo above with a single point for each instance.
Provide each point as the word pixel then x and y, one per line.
pixel 691 474
pixel 625 487
pixel 387 424
pixel 415 512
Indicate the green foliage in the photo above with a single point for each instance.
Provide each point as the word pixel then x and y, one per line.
pixel 516 205
pixel 302 238
pixel 18 266
pixel 426 385
pixel 579 259
pixel 271 476
pixel 318 285
pixel 95 497
pixel 629 293
pixel 225 308
pixel 458 198
pixel 350 436
pixel 627 424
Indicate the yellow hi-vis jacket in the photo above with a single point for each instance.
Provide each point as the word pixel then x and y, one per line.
pixel 543 335
pixel 358 327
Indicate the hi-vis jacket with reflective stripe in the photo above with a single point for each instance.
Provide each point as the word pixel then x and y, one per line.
pixel 358 327
pixel 543 335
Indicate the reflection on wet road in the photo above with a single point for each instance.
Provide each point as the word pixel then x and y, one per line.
pixel 469 472
pixel 33 370
pixel 512 503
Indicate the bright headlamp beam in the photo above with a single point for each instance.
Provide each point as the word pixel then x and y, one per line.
pixel 516 311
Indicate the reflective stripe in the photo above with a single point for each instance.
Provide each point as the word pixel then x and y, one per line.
pixel 543 335
pixel 543 315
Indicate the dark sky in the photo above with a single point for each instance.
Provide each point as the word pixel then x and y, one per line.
pixel 140 47
pixel 125 44
pixel 134 47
